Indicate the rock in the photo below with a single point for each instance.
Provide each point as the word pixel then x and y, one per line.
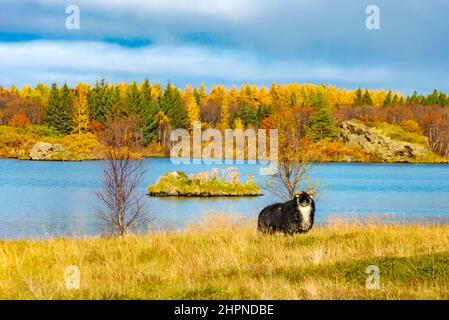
pixel 174 174
pixel 373 142
pixel 201 177
pixel 46 151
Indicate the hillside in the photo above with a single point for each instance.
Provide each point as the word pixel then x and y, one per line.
pixel 382 142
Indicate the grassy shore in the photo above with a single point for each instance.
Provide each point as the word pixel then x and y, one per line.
pixel 227 259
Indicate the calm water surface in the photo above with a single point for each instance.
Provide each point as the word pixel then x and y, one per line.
pixel 47 199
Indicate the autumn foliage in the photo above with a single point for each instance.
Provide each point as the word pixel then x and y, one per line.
pixel 316 109
pixel 20 120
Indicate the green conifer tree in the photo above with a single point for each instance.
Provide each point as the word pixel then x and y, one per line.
pixel 367 100
pixel 147 113
pixel 248 115
pixel 321 124
pixel 59 111
pixel 358 100
pixel 387 100
pixel 99 101
pixel 171 104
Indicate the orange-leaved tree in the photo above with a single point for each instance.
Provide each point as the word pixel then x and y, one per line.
pixel 296 154
pixel 20 120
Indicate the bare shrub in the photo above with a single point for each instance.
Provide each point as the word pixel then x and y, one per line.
pixel 123 207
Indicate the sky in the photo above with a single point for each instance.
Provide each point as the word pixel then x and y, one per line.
pixel 230 42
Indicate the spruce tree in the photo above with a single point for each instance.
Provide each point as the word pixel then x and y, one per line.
pixel 171 104
pixel 433 98
pixel 99 101
pixel 358 100
pixel 66 98
pixel 414 99
pixel 387 100
pixel 367 99
pixel 442 99
pixel 248 115
pixel 264 111
pixel 200 95
pixel 132 100
pixel 51 114
pixel 395 100
pixel 59 111
pixel 147 113
pixel 321 124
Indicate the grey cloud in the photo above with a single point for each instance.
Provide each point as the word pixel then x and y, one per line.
pixel 413 39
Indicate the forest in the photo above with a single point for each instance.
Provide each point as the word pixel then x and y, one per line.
pixel 76 116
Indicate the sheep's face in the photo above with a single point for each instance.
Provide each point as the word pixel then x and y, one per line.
pixel 304 199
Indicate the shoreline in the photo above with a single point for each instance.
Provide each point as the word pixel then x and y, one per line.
pixel 159 157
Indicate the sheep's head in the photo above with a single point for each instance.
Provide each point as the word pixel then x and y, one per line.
pixel 304 199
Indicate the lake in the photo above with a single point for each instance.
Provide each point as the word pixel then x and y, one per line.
pixel 49 199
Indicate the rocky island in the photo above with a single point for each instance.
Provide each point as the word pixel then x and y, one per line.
pixel 204 184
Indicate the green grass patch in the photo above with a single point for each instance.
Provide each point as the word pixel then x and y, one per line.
pixel 397 133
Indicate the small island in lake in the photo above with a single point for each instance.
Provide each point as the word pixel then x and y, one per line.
pixel 204 184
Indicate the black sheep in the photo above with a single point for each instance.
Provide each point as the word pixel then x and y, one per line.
pixel 294 216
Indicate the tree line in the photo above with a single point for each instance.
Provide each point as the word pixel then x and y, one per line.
pixel 158 109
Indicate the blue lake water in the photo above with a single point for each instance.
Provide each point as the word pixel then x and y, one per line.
pixel 48 199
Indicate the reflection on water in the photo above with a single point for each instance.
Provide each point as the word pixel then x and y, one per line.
pixel 44 199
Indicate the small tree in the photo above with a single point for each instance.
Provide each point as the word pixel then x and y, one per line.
pixel 367 100
pixel 81 113
pixel 20 120
pixel 164 129
pixel 358 99
pixel 123 208
pixel 295 154
pixel 224 116
pixel 193 110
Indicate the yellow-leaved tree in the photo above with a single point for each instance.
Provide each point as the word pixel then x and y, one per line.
pixel 238 124
pixel 224 116
pixel 81 113
pixel 193 110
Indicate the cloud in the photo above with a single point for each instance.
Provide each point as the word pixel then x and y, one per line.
pixel 46 61
pixel 230 9
pixel 308 40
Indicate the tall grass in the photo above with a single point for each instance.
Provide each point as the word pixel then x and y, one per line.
pixel 222 258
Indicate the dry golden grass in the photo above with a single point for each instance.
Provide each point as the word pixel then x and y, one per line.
pixel 223 258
